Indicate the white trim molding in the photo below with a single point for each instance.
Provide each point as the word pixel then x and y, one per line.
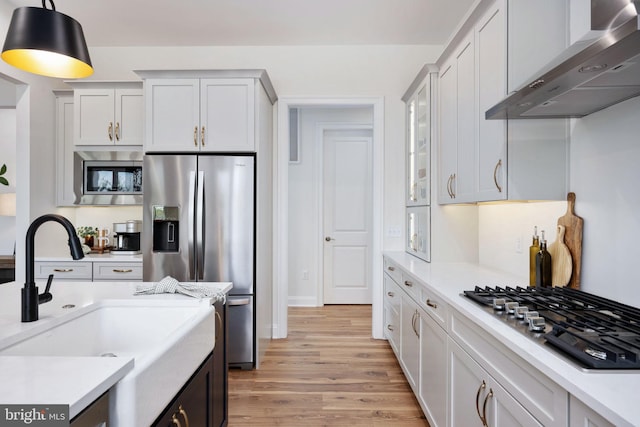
pixel 281 297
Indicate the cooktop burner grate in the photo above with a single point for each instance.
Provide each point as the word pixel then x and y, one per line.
pixel 597 332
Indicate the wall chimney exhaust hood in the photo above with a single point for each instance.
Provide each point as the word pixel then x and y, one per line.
pixel 590 79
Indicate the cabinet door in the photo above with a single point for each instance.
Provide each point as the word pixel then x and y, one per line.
pixel 410 341
pixel 418 232
pixel 448 152
pixel 491 57
pixel 227 115
pixel 220 394
pixel 64 151
pixel 433 371
pixel 478 400
pixel 392 307
pixel 464 183
pixel 418 147
pixel 172 110
pixel 580 415
pixel 192 406
pixel 93 118
pixel 128 117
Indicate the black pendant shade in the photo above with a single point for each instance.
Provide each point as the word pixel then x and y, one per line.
pixel 43 41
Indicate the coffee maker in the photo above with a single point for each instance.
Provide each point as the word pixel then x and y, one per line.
pixel 126 238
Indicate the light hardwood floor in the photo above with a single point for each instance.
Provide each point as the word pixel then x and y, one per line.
pixel 328 372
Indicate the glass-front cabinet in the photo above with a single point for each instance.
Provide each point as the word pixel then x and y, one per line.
pixel 419 232
pixel 418 166
pixel 418 148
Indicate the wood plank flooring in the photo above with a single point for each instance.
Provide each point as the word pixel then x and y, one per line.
pixel 328 372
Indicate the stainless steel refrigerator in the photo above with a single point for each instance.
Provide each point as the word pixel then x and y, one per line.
pixel 199 226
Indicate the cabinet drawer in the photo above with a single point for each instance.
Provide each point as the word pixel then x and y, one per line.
pixel 433 305
pixel 131 271
pixel 392 295
pixel 392 327
pixel 393 271
pixel 411 285
pixel 542 397
pixel 63 270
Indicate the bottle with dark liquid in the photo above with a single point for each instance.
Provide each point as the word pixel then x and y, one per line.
pixel 533 251
pixel 543 265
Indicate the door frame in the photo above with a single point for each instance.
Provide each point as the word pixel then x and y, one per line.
pixel 319 147
pixel 281 249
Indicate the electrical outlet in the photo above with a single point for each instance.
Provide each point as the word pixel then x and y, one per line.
pixel 519 244
pixel 305 274
pixel 394 231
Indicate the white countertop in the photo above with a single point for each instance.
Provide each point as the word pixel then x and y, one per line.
pixel 611 394
pixel 76 381
pixel 107 257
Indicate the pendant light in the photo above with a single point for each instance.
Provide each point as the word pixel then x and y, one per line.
pixel 43 41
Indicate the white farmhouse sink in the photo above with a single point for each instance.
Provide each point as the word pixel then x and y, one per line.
pixel 168 340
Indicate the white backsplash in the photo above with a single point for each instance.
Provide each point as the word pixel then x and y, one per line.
pixel 506 230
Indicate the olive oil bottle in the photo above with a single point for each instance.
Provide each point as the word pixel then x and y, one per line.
pixel 543 264
pixel 533 251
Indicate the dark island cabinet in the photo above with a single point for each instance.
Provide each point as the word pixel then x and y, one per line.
pixel 203 400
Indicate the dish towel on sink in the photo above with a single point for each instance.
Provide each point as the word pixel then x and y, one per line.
pixel 169 285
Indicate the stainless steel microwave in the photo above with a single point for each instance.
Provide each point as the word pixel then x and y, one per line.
pixel 108 177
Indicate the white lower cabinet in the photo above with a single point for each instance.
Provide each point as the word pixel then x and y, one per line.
pixel 392 305
pixel 580 415
pixel 477 399
pixel 433 371
pixel 89 271
pixel 410 341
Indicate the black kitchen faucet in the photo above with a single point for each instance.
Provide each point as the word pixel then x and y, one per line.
pixel 30 298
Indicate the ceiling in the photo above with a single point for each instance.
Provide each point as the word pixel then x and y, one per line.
pixel 262 22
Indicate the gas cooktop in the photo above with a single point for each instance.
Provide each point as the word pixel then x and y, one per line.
pixel 596 332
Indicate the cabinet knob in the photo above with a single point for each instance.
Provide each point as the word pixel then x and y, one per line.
pixel 408 283
pixel 431 304
pixel 391 294
pixel 328 238
pixel 391 268
pixel 390 327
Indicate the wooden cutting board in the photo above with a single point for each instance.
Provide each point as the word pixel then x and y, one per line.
pixel 573 238
pixel 561 266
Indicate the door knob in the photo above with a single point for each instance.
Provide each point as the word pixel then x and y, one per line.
pixel 328 239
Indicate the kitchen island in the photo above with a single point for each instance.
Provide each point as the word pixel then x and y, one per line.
pixel 69 374
pixel 490 371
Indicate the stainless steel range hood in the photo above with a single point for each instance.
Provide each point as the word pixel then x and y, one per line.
pixel 602 74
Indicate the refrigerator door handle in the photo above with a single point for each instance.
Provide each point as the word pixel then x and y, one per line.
pixel 191 207
pixel 243 301
pixel 200 225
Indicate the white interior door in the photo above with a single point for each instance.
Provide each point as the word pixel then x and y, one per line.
pixel 347 218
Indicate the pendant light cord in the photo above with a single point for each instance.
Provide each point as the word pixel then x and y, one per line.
pixel 44 6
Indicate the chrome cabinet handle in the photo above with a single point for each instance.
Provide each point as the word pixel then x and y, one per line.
pixel 195 136
pixel 390 327
pixel 449 186
pixel 122 270
pixel 391 268
pixel 408 283
pixel 175 421
pixel 495 175
pixel 117 131
pixel 202 135
pixel 413 192
pixel 184 415
pixel 110 131
pixel 482 387
pixel 484 408
pixel 63 270
pixel 391 294
pixel 329 238
pixel 431 303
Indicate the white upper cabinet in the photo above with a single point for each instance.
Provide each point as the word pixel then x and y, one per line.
pixel 489 160
pixel 107 113
pixel 419 144
pixel 64 149
pixel 207 111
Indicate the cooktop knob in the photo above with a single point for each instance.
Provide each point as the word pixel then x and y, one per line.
pixel 536 324
pixel 511 306
pixel 498 304
pixel 521 311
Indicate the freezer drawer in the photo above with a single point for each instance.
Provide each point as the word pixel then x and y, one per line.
pixel 241 331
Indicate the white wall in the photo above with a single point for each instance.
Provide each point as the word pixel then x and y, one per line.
pixel 304 201
pixel 604 174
